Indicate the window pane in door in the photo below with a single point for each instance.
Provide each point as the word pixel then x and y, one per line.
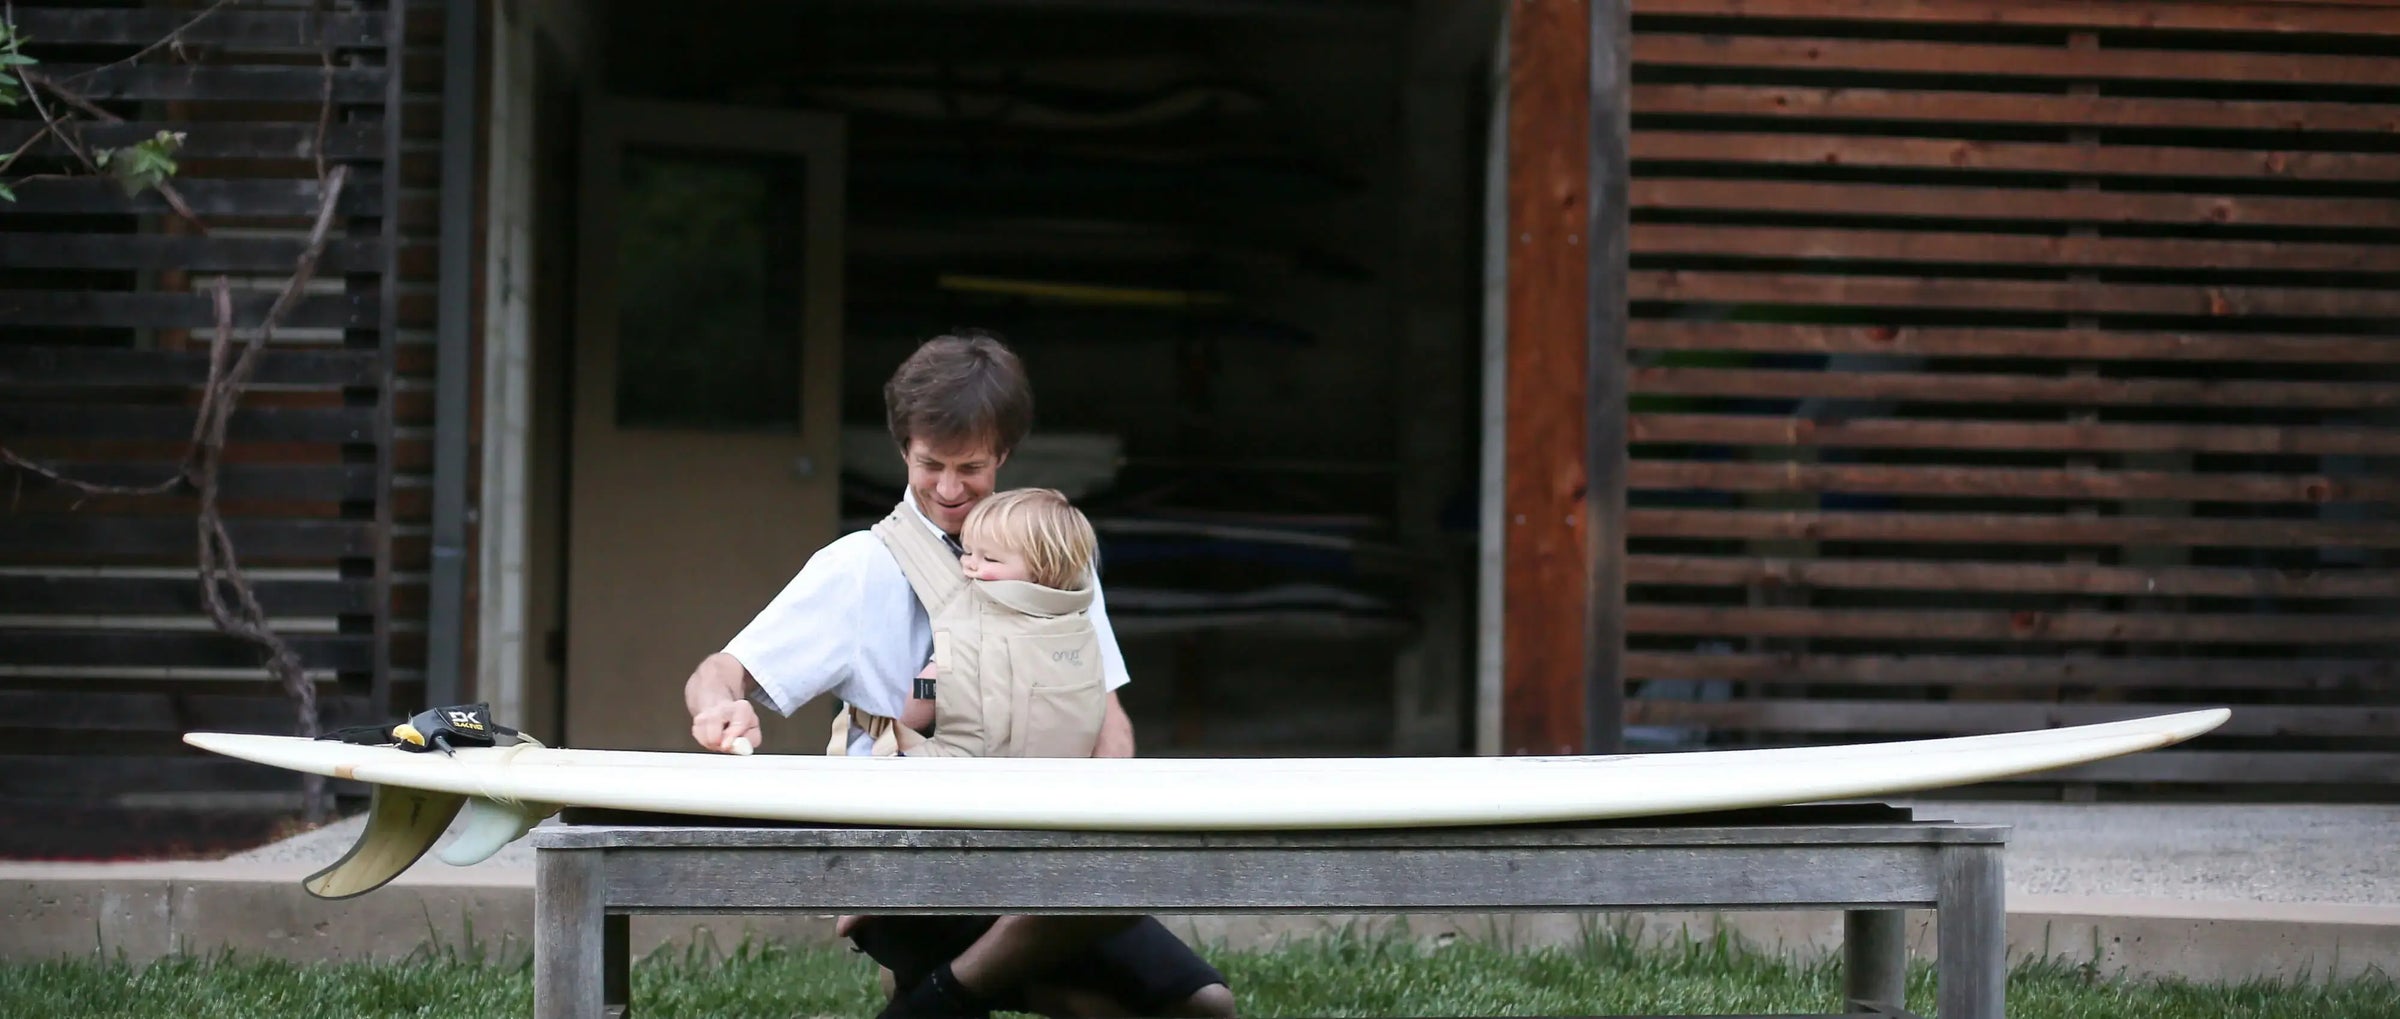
pixel 709 248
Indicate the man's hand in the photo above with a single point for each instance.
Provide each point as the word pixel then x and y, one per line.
pixel 1116 731
pixel 721 711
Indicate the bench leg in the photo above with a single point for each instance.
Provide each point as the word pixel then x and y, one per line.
pixel 569 935
pixel 1874 960
pixel 1972 915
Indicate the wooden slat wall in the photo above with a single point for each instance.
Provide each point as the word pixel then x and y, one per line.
pixel 105 652
pixel 2000 364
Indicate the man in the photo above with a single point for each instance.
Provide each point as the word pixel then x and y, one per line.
pixel 850 626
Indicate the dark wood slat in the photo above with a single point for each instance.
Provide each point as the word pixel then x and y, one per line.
pixel 1930 625
pixel 213 200
pixel 2009 482
pixel 2011 528
pixel 1758 430
pixel 2011 670
pixel 177 311
pixel 2033 205
pixel 84 780
pixel 242 481
pixel 2066 344
pixel 2078 578
pixel 84 711
pixel 1916 56
pixel 56 26
pixel 222 83
pixel 1958 248
pixel 219 139
pixel 25 595
pixel 2038 157
pixel 175 540
pixel 1947 718
pixel 1965 387
pixel 1949 108
pixel 1549 149
pixel 187 253
pixel 1608 32
pixel 2270 17
pixel 196 649
pixel 111 423
pixel 118 367
pixel 2076 297
pixel 2296 767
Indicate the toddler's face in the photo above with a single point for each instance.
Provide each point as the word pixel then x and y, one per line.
pixel 987 559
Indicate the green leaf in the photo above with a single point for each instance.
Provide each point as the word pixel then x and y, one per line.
pixel 7 194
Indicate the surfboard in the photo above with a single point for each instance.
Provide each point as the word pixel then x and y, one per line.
pixel 506 790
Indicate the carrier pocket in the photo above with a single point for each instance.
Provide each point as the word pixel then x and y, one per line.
pixel 1058 696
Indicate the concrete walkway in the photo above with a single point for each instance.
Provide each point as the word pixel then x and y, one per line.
pixel 2202 891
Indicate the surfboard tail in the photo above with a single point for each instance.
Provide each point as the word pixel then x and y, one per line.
pixel 402 823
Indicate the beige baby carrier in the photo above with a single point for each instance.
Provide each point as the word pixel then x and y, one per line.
pixel 1016 665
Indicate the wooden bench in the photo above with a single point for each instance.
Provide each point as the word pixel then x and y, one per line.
pixel 1870 861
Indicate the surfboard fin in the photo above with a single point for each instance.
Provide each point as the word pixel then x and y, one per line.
pixel 489 825
pixel 402 824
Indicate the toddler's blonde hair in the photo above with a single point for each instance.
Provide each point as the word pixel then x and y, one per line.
pixel 1056 540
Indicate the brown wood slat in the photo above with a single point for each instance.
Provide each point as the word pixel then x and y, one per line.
pixel 2046 205
pixel 174 310
pixel 2039 157
pixel 2077 297
pixel 56 26
pixel 2023 625
pixel 167 648
pixel 2319 768
pixel 219 140
pixel 1915 56
pixel 24 365
pixel 213 200
pixel 84 711
pixel 125 423
pixel 1757 430
pixel 32 595
pixel 2065 160
pixel 2076 578
pixel 221 83
pixel 186 253
pixel 1548 127
pixel 2008 482
pixel 1964 387
pixel 2010 670
pixel 1939 718
pixel 235 482
pixel 2161 15
pixel 1960 248
pixel 2010 528
pixel 2069 344
pixel 1951 109
pixel 175 540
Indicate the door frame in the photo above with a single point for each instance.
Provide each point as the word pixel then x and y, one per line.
pixel 608 124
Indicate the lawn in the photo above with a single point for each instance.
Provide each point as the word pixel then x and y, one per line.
pixel 1342 975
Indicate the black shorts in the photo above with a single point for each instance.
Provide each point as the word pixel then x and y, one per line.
pixel 1144 967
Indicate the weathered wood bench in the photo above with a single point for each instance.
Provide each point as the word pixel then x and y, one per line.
pixel 1871 862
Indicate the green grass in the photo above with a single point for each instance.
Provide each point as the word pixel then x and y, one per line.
pixel 1338 975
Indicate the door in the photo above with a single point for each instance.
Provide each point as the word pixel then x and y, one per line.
pixel 706 401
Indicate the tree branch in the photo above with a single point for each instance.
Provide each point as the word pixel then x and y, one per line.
pixel 174 38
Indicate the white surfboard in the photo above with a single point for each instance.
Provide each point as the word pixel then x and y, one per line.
pixel 508 789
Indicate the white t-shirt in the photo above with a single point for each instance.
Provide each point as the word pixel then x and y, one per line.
pixel 850 626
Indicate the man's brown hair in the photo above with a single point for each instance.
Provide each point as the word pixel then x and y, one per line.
pixel 960 388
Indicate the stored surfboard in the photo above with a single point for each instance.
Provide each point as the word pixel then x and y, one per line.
pixel 506 790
